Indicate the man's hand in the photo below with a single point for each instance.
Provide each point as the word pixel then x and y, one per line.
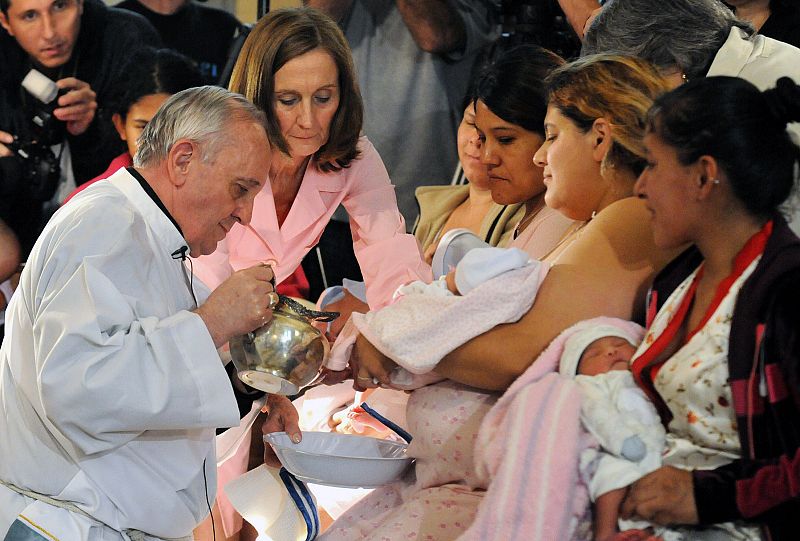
pixel 5 139
pixel 371 368
pixel 77 107
pixel 281 417
pixel 240 304
pixel 665 496
pixel 435 25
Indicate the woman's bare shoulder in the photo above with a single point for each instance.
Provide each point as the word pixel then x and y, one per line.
pixel 621 235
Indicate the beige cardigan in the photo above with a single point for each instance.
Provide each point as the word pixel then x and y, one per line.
pixel 437 202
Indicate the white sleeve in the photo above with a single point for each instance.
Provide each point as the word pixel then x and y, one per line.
pixel 105 371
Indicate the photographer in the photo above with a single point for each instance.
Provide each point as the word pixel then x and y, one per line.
pixel 81 45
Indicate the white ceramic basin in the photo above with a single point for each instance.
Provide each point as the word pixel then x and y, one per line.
pixel 341 460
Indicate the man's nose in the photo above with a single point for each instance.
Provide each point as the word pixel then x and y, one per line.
pixel 48 27
pixel 244 213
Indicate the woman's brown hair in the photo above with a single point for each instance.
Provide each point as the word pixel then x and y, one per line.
pixel 277 38
pixel 617 88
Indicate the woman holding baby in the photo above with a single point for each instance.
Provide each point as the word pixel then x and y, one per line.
pixel 721 357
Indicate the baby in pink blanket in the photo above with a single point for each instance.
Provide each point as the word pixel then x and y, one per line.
pixel 488 286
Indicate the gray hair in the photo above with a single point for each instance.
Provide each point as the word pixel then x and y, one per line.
pixel 199 114
pixel 683 34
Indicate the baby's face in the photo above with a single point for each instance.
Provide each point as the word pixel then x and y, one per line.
pixel 604 355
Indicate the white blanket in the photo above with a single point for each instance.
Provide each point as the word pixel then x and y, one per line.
pixel 419 329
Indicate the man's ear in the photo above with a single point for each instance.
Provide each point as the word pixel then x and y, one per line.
pixel 180 160
pixel 600 134
pixel 119 124
pixel 4 24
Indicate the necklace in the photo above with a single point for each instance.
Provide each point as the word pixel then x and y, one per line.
pixel 523 223
pixel 528 218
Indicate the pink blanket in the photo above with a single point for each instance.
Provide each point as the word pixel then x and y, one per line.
pixel 529 448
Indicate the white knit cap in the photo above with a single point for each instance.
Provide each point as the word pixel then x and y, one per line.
pixel 482 264
pixel 576 344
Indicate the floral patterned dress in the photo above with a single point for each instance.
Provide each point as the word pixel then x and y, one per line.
pixel 693 384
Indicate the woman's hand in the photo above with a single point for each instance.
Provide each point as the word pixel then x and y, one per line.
pixel 371 368
pixel 332 377
pixel 281 417
pixel 345 306
pixel 665 497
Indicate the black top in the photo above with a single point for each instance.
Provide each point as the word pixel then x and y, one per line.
pixel 763 351
pixel 106 40
pixel 783 23
pixel 202 33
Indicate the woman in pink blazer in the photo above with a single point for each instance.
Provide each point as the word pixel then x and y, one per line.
pixel 296 65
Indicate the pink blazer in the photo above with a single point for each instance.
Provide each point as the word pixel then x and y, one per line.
pixel 387 255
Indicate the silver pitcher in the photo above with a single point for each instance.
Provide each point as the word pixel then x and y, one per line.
pixel 286 354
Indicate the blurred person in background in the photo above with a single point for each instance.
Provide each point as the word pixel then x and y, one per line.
pixel 81 45
pixel 202 33
pixel 689 39
pixel 777 19
pixel 149 78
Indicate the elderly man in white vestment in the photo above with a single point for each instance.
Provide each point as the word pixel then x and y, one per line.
pixel 111 386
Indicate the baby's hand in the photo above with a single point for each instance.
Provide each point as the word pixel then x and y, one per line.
pixel 450 280
pixel 633 448
pixel 354 420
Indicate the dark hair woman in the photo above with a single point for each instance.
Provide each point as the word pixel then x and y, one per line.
pixel 722 354
pixel 149 78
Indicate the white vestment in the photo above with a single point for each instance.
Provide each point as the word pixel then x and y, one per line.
pixel 110 388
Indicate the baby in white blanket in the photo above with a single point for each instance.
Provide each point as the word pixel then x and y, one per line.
pixel 489 286
pixel 618 414
pixel 476 267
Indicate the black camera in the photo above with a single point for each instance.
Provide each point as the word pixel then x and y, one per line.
pixel 39 171
pixel 541 22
